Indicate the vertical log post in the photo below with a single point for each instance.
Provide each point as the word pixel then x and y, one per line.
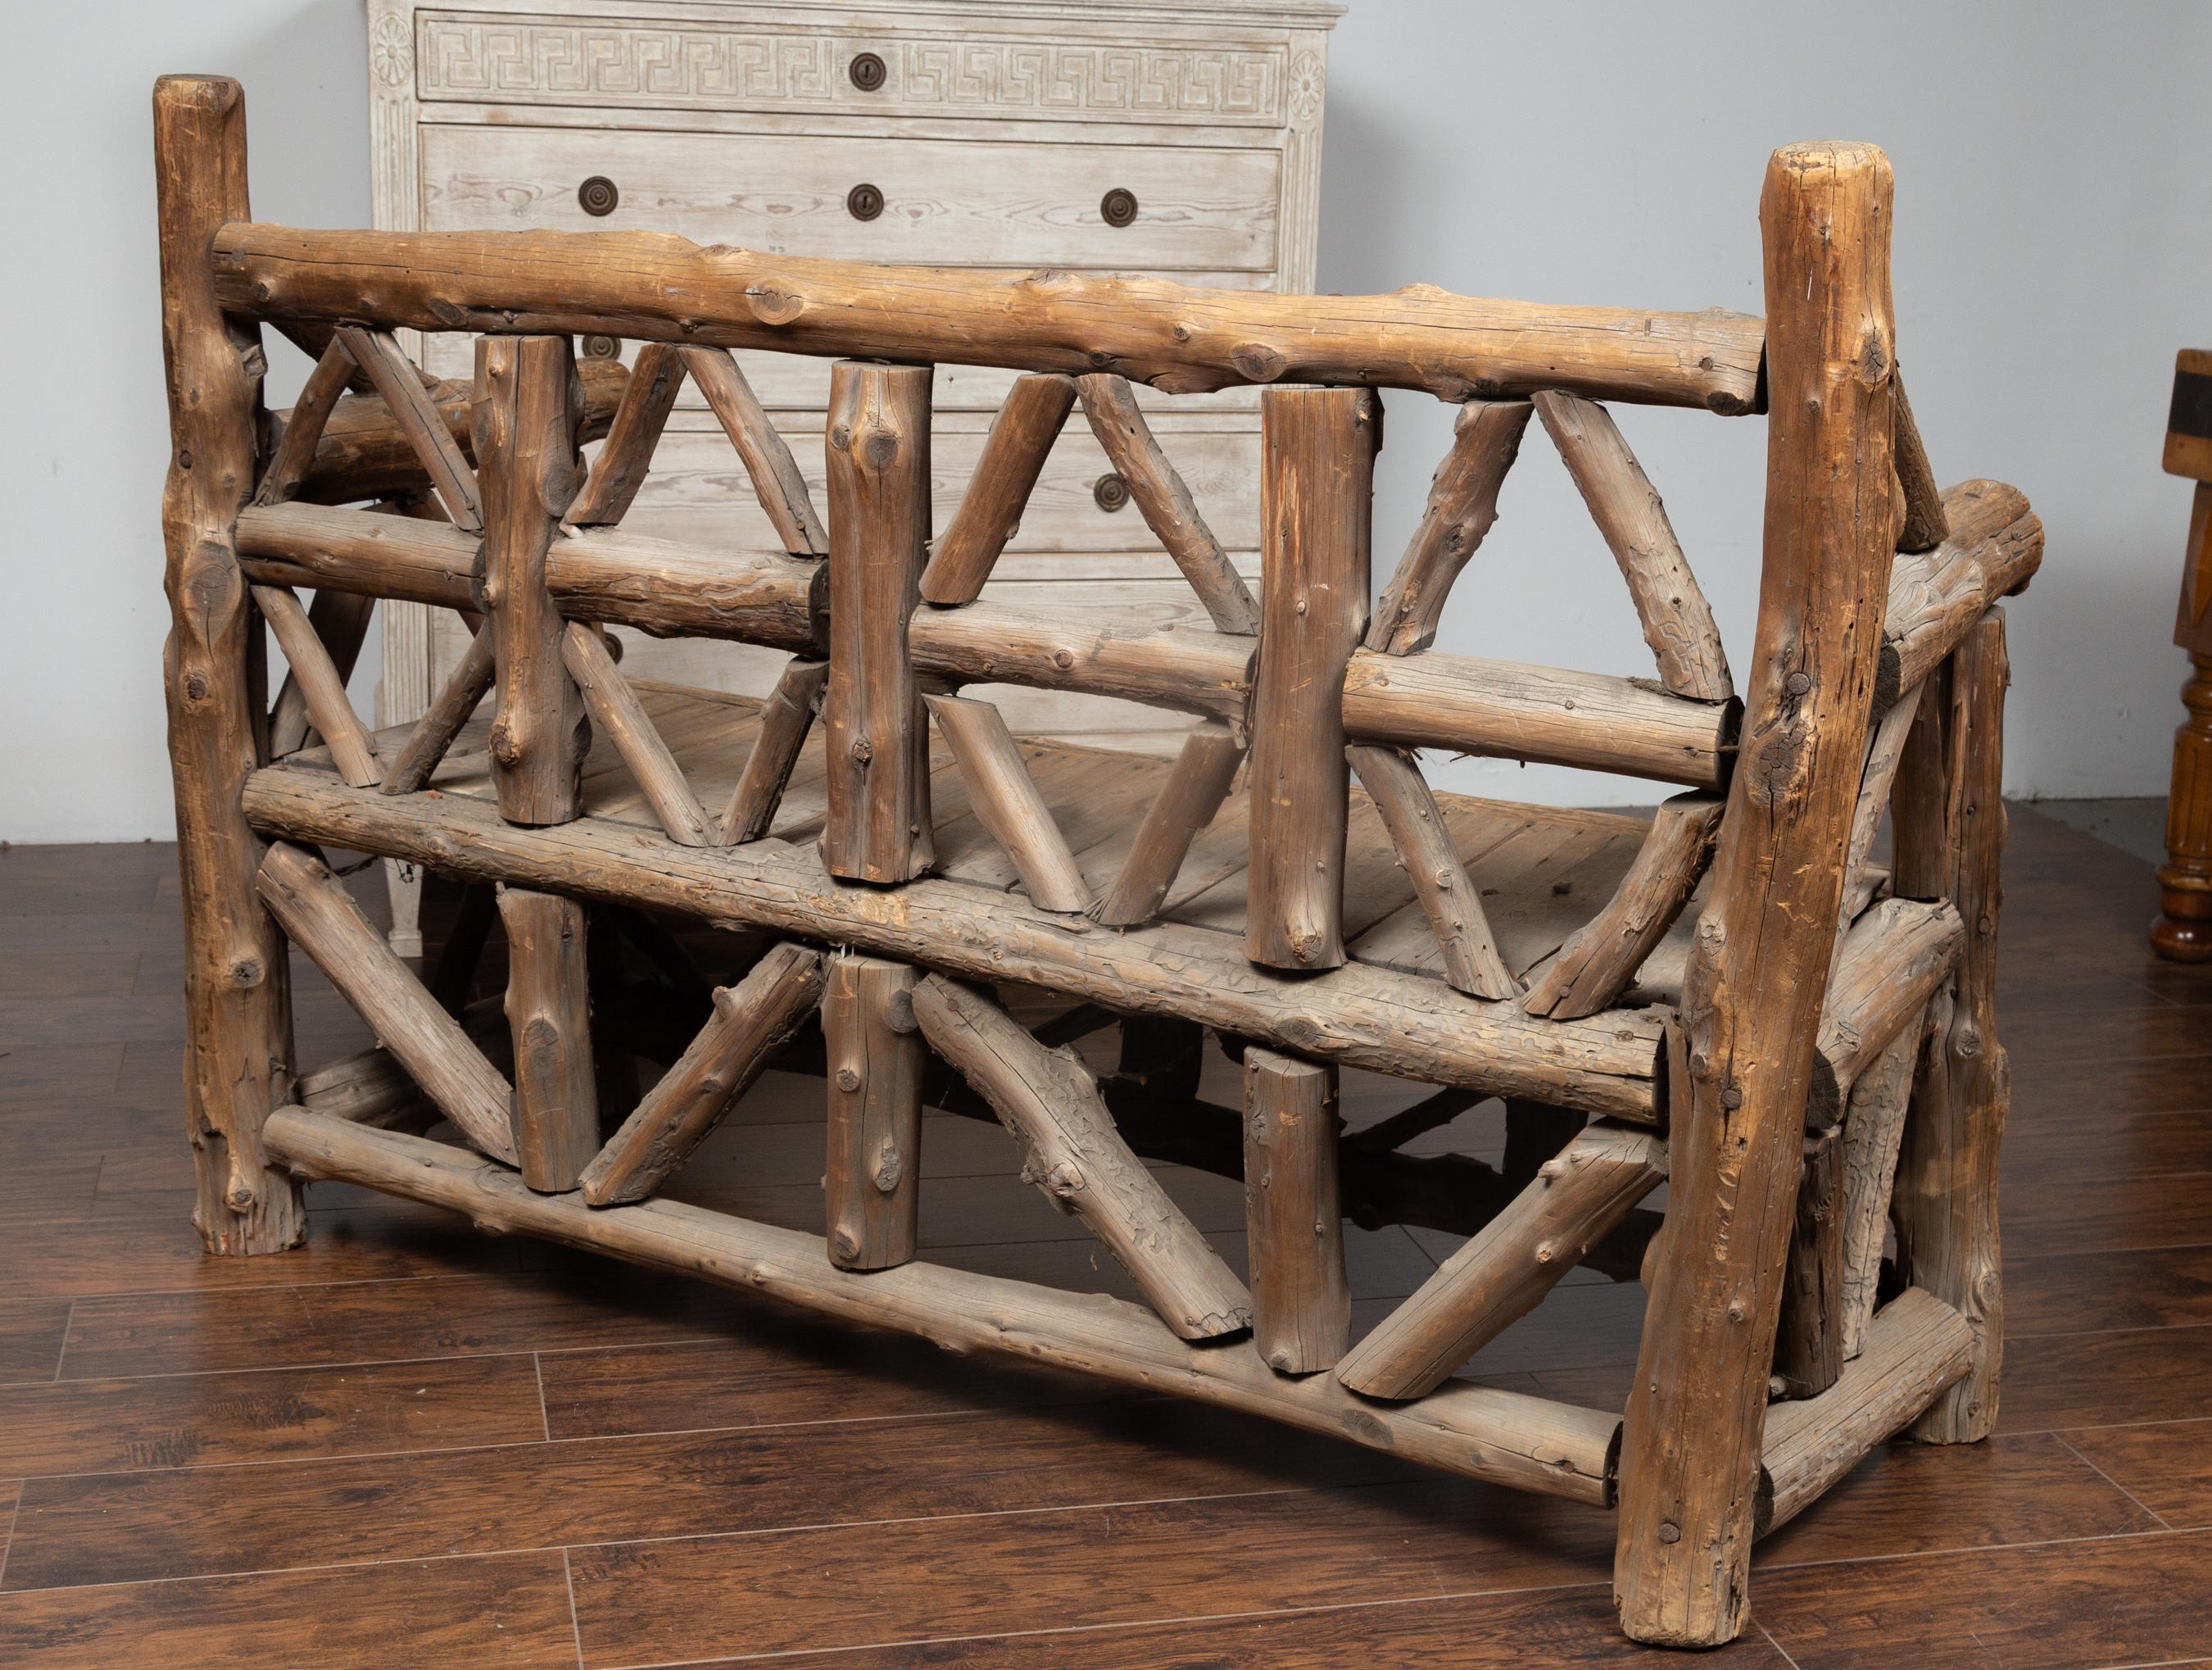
pixel 1690 1452
pixel 237 998
pixel 525 447
pixel 1294 1226
pixel 529 470
pixel 1950 827
pixel 556 1107
pixel 1317 479
pixel 875 734
pixel 870 1183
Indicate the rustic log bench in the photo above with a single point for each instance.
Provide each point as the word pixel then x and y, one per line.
pixel 1730 996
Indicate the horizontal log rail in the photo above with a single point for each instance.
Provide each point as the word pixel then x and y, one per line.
pixel 1429 699
pixel 1178 338
pixel 362 453
pixel 1407 1026
pixel 1483 1432
pixel 1993 549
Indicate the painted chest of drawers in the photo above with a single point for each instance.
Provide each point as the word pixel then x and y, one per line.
pixel 1116 135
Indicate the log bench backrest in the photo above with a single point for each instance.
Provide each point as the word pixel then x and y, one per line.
pixel 1295 673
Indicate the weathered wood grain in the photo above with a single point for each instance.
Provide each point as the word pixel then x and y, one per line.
pixel 750 1021
pixel 548 1016
pixel 1950 825
pixel 1072 1153
pixel 527 444
pixel 871 1179
pixel 990 511
pixel 622 719
pixel 1204 770
pixel 621 468
pixel 1461 507
pixel 1678 622
pixel 1294 1213
pixel 875 735
pixel 1317 479
pixel 1006 801
pixel 1447 895
pixel 1110 407
pixel 238 1052
pixel 324 921
pixel 1406 1026
pixel 1690 1440
pixel 1504 1272
pixel 1178 338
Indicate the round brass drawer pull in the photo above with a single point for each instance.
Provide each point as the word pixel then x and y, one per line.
pixel 864 202
pixel 1111 493
pixel 867 72
pixel 597 195
pixel 1119 206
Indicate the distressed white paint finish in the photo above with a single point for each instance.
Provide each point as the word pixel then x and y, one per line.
pixel 996 134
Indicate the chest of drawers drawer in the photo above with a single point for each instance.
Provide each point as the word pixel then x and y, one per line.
pixel 1005 203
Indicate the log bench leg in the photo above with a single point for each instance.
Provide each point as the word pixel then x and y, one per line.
pixel 238 1056
pixel 1950 828
pixel 1693 1432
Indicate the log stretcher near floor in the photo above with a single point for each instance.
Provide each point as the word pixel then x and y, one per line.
pixel 1742 1062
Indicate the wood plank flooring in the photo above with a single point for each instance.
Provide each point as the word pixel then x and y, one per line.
pixel 408 1444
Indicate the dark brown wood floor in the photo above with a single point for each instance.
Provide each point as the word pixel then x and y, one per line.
pixel 408 1445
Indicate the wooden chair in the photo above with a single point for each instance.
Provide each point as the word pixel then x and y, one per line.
pixel 1731 996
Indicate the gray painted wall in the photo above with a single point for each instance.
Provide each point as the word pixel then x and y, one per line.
pixel 2054 248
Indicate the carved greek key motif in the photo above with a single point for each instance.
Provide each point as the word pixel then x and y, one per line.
pixel 530 62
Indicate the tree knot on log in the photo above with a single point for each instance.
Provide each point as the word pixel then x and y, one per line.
pixel 891 1168
pixel 1873 363
pixel 772 304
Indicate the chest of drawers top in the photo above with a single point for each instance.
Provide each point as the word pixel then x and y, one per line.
pixel 1122 134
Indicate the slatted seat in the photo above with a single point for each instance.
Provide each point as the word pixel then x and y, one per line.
pixel 1541 868
pixel 1730 996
